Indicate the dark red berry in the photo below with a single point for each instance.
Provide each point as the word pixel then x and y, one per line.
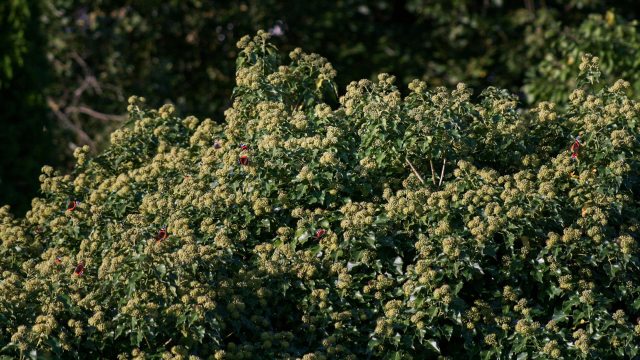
pixel 72 205
pixel 162 234
pixel 79 269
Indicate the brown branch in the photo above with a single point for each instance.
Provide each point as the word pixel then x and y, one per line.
pixel 66 123
pixel 95 114
pixel 415 171
pixel 88 82
pixel 80 61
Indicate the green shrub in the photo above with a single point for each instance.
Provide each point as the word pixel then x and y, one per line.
pixel 388 227
pixel 184 50
pixel 100 50
pixel 615 40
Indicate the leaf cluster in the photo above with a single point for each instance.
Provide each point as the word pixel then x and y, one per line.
pixel 390 226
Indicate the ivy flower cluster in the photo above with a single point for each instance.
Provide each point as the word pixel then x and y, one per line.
pixel 385 226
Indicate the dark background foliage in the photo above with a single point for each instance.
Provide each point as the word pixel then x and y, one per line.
pixel 25 127
pixel 100 52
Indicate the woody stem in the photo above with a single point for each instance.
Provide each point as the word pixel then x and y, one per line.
pixel 415 171
pixel 433 172
pixel 444 162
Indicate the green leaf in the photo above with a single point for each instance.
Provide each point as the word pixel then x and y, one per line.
pixel 161 268
pixel 397 263
pixel 373 342
pixel 303 237
pixel 433 344
pixel 559 316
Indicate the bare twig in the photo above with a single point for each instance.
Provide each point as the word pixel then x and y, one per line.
pixel 95 114
pixel 444 162
pixel 88 82
pixel 433 172
pixel 415 171
pixel 80 61
pixel 65 122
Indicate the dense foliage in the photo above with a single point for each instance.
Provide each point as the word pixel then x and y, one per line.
pixel 184 51
pixel 25 130
pixel 99 51
pixel 616 42
pixel 388 227
pixel 14 17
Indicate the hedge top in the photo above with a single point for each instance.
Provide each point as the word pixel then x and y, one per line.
pixel 388 226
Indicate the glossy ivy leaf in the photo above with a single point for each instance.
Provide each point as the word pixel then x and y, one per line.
pixel 415 225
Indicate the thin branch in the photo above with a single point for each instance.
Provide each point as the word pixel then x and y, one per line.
pixel 65 122
pixel 88 82
pixel 83 64
pixel 415 171
pixel 442 172
pixel 95 114
pixel 433 172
